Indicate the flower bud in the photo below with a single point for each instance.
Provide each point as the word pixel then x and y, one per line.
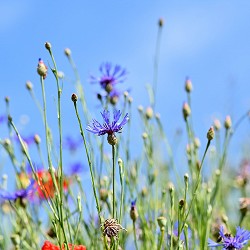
pixel 125 94
pixel 188 85
pixel 197 143
pixel 47 45
pixel 144 191
pixel 228 122
pixel 7 99
pixel 130 99
pixel 112 140
pixel 149 113
pixel 37 139
pixel 103 192
pixel 161 22
pixel 133 211
pixel 42 68
pixel 217 124
pixel 74 97
pixel 210 133
pixel 186 110
pixel 140 108
pixel 144 136
pixel 162 222
pixel 67 52
pixel 29 85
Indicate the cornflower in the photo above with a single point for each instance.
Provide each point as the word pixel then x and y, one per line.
pixel 18 194
pixel 229 242
pixel 108 127
pixel 110 76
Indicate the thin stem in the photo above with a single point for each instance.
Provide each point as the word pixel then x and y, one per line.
pixel 134 232
pixel 161 240
pixel 113 165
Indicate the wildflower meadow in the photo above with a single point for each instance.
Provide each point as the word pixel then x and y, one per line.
pixel 117 181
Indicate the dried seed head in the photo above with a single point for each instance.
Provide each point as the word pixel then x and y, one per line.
pixel 111 228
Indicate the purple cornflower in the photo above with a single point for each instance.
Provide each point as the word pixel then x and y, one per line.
pixel 229 242
pixel 108 127
pixel 19 194
pixel 110 76
pixel 72 144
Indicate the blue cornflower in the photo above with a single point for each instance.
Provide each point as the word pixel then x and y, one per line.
pixel 108 127
pixel 229 242
pixel 110 76
pixel 19 194
pixel 72 144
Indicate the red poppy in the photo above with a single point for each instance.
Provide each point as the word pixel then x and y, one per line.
pixel 45 186
pixel 49 246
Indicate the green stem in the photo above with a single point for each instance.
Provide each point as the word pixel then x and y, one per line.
pixel 113 165
pixel 161 240
pixel 134 232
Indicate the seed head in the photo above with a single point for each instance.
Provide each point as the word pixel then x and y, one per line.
pixel 111 228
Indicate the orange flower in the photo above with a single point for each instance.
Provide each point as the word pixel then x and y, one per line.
pixel 45 185
pixel 49 246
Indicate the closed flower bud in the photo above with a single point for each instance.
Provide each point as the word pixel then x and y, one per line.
pixel 74 97
pixel 186 110
pixel 109 87
pixel 47 45
pixel 217 124
pixel 144 136
pixel 112 139
pixel 125 93
pixel 29 85
pixel 133 211
pixel 210 133
pixel 149 113
pixel 161 22
pixel 140 108
pixel 228 122
pixel 162 222
pixel 7 99
pixel 67 52
pixel 188 85
pixel 114 99
pixel 130 99
pixel 37 139
pixel 42 68
pixel 144 192
pixel 103 192
pixel 197 143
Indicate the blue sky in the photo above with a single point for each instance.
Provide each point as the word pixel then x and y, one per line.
pixel 209 41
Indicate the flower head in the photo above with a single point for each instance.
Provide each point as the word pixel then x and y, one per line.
pixel 49 246
pixel 19 194
pixel 110 76
pixel 229 242
pixel 42 68
pixel 133 211
pixel 108 127
pixel 111 228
